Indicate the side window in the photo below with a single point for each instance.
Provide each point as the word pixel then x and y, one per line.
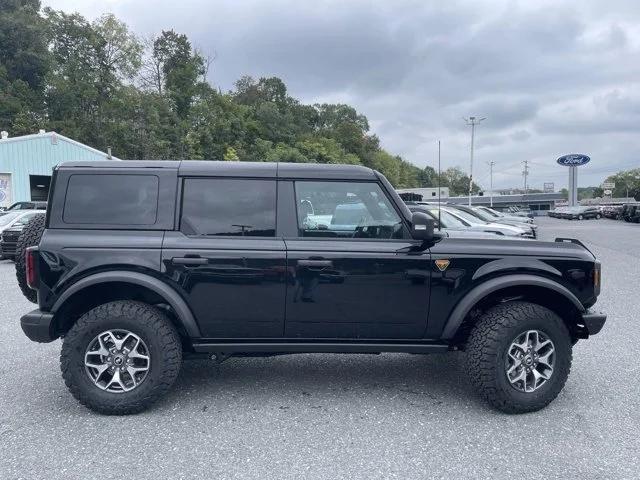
pixel 229 207
pixel 111 200
pixel 346 210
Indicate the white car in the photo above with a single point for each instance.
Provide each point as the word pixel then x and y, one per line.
pixel 10 218
pixel 476 224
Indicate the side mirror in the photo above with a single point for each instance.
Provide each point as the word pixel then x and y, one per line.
pixel 422 227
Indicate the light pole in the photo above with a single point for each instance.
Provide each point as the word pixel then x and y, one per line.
pixel 472 121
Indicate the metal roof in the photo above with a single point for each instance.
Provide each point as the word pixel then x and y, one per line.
pixel 502 199
pixel 241 169
pixel 54 138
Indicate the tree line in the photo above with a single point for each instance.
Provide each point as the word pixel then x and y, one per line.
pixel 100 84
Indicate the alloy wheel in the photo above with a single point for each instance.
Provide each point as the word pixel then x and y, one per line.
pixel 117 361
pixel 530 360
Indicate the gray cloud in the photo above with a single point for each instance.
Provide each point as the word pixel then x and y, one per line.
pixel 551 77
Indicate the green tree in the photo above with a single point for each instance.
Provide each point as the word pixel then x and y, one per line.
pixel 626 181
pixel 24 63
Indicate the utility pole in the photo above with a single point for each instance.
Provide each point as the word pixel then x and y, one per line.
pixel 525 174
pixel 491 164
pixel 472 121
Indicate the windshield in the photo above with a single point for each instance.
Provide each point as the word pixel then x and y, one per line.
pixel 448 220
pixel 491 212
pixel 25 219
pixel 468 217
pixel 483 215
pixel 7 218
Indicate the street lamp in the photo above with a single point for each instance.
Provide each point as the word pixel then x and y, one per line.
pixel 472 121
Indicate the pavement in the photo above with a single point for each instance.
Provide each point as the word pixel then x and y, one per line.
pixel 338 416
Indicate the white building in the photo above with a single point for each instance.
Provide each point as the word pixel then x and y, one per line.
pixel 426 193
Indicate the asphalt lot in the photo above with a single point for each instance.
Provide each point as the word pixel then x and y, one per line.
pixel 338 416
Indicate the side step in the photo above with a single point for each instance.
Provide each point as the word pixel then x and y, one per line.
pixel 318 347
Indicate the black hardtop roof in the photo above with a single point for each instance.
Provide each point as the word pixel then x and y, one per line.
pixel 236 169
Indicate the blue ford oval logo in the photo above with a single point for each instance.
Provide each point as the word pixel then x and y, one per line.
pixel 573 160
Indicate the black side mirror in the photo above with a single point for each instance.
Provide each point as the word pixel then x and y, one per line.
pixel 422 226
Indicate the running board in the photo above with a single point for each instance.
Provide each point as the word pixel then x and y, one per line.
pixel 317 347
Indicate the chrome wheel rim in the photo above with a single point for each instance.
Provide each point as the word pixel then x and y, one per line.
pixel 530 360
pixel 117 361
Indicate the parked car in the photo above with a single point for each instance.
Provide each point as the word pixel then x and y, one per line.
pixel 451 225
pixel 523 223
pixel 499 216
pixel 23 206
pixel 478 223
pixel 10 234
pixel 518 211
pixel 612 211
pixel 630 212
pixel 581 213
pixel 133 275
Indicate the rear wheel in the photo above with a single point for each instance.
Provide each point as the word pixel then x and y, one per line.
pixel 580 217
pixel 29 237
pixel 121 357
pixel 519 356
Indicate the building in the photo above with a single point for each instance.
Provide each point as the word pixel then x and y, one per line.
pixel 538 203
pixel 422 194
pixel 26 163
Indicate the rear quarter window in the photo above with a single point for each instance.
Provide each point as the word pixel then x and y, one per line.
pixel 107 199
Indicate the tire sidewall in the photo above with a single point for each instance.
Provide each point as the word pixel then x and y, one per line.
pixel 562 362
pixel 80 379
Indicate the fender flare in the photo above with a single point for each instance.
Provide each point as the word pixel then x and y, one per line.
pixel 177 303
pixel 465 305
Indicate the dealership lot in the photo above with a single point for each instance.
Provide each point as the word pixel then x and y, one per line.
pixel 338 416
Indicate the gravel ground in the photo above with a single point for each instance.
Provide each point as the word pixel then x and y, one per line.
pixel 338 416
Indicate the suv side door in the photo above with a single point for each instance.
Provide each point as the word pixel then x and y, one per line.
pixel 355 270
pixel 225 257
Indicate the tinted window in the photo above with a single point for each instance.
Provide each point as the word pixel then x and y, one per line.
pixel 347 210
pixel 213 206
pixel 111 200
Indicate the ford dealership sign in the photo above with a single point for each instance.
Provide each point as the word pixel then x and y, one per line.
pixel 573 160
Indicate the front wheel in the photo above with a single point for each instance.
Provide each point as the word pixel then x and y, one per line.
pixel 519 356
pixel 121 357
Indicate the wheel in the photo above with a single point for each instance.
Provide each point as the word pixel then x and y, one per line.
pixel 29 237
pixel 121 357
pixel 580 217
pixel 598 216
pixel 519 356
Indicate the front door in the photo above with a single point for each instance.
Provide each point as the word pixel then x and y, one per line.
pixel 226 258
pixel 354 272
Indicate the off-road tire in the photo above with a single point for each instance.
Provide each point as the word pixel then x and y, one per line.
pixel 29 237
pixel 488 345
pixel 152 326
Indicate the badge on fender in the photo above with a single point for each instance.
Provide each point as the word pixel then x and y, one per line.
pixel 442 264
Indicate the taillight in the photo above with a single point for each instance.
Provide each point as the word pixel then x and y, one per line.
pixel 31 271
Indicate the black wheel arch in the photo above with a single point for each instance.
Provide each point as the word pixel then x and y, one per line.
pixel 103 287
pixel 530 286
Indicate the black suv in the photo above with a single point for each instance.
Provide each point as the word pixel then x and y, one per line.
pixel 141 263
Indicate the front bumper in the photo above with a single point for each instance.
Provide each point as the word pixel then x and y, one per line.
pixel 36 325
pixel 593 322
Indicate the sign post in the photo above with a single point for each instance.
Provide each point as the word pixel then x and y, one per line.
pixel 573 161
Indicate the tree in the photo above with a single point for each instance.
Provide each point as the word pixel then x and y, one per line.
pixel 175 69
pixel 457 181
pixel 24 63
pixel 626 181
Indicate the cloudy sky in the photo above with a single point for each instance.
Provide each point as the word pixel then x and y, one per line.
pixel 551 77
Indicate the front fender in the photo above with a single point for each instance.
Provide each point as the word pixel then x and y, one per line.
pixel 481 291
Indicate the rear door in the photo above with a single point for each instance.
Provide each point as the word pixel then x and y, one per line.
pixel 226 258
pixel 354 273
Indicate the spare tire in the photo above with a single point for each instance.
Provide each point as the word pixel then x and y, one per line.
pixel 30 236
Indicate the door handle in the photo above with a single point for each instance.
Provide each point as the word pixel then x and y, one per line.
pixel 315 263
pixel 189 261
